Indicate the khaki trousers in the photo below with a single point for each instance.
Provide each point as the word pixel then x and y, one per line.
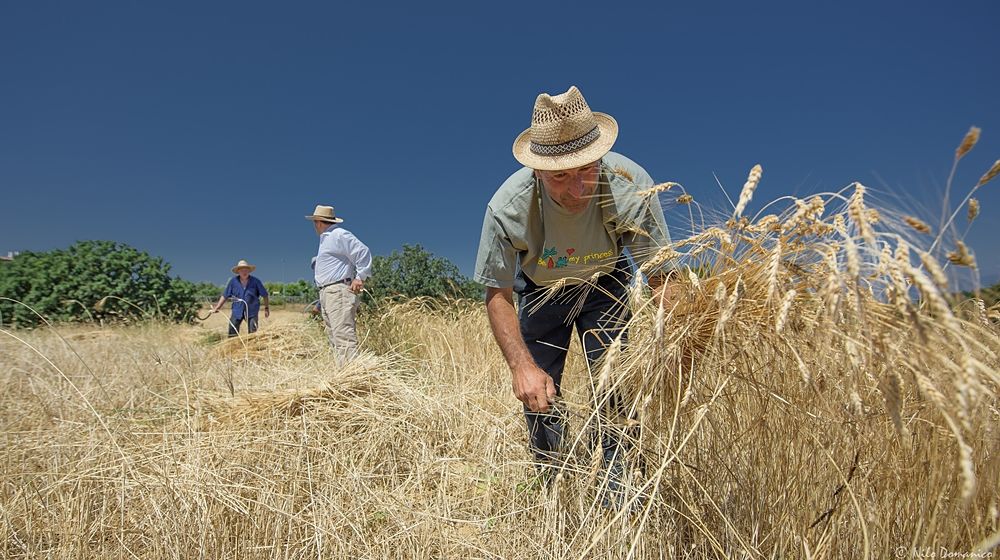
pixel 340 305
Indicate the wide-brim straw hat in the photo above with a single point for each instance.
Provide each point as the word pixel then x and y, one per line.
pixel 243 264
pixel 324 214
pixel 565 133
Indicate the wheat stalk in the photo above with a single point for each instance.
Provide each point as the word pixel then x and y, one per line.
pixel 856 209
pixel 786 307
pixel 747 192
pixel 973 209
pixel 656 189
pixel 968 142
pixel 961 256
pixel 917 224
pixel 990 174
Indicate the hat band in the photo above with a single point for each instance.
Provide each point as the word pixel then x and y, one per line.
pixel 566 147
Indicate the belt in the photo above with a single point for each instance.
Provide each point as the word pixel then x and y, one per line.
pixel 344 281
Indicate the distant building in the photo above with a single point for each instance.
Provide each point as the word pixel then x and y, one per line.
pixel 10 255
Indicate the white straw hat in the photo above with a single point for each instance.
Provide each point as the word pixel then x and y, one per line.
pixel 243 264
pixel 564 133
pixel 324 214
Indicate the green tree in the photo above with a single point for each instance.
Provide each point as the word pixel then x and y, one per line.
pixel 208 290
pixel 415 272
pixel 92 280
pixel 275 288
pixel 300 289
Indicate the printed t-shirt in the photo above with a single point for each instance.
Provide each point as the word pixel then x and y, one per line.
pixel 517 235
pixel 575 246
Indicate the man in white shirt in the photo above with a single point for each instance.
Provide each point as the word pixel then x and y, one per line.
pixel 340 269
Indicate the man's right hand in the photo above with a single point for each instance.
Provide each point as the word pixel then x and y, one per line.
pixel 532 385
pixel 534 388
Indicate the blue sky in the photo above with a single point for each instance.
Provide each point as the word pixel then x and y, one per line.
pixel 204 132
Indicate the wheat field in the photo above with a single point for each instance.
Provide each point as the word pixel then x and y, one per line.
pixel 810 389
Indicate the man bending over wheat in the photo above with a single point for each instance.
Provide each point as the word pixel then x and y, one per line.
pixel 556 232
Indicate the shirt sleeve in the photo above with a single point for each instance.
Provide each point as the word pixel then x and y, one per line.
pixel 261 290
pixel 360 256
pixel 653 234
pixel 229 290
pixel 496 260
pixel 644 246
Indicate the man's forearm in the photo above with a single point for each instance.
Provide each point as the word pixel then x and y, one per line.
pixel 532 386
pixel 506 331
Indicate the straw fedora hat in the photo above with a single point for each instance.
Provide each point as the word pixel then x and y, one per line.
pixel 324 214
pixel 243 264
pixel 564 133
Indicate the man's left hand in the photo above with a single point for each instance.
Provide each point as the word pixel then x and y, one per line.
pixel 664 290
pixel 267 312
pixel 357 285
pixel 665 294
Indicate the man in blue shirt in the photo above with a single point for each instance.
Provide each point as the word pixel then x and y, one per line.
pixel 340 268
pixel 246 292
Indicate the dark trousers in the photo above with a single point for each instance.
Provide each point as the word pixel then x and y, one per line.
pixel 235 322
pixel 546 332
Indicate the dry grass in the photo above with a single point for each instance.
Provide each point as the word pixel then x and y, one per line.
pixel 422 454
pixel 280 342
pixel 161 447
pixel 809 390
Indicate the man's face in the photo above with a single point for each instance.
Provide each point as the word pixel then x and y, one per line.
pixel 320 227
pixel 243 272
pixel 572 188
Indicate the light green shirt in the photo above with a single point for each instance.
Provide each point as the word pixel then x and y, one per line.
pixel 523 228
